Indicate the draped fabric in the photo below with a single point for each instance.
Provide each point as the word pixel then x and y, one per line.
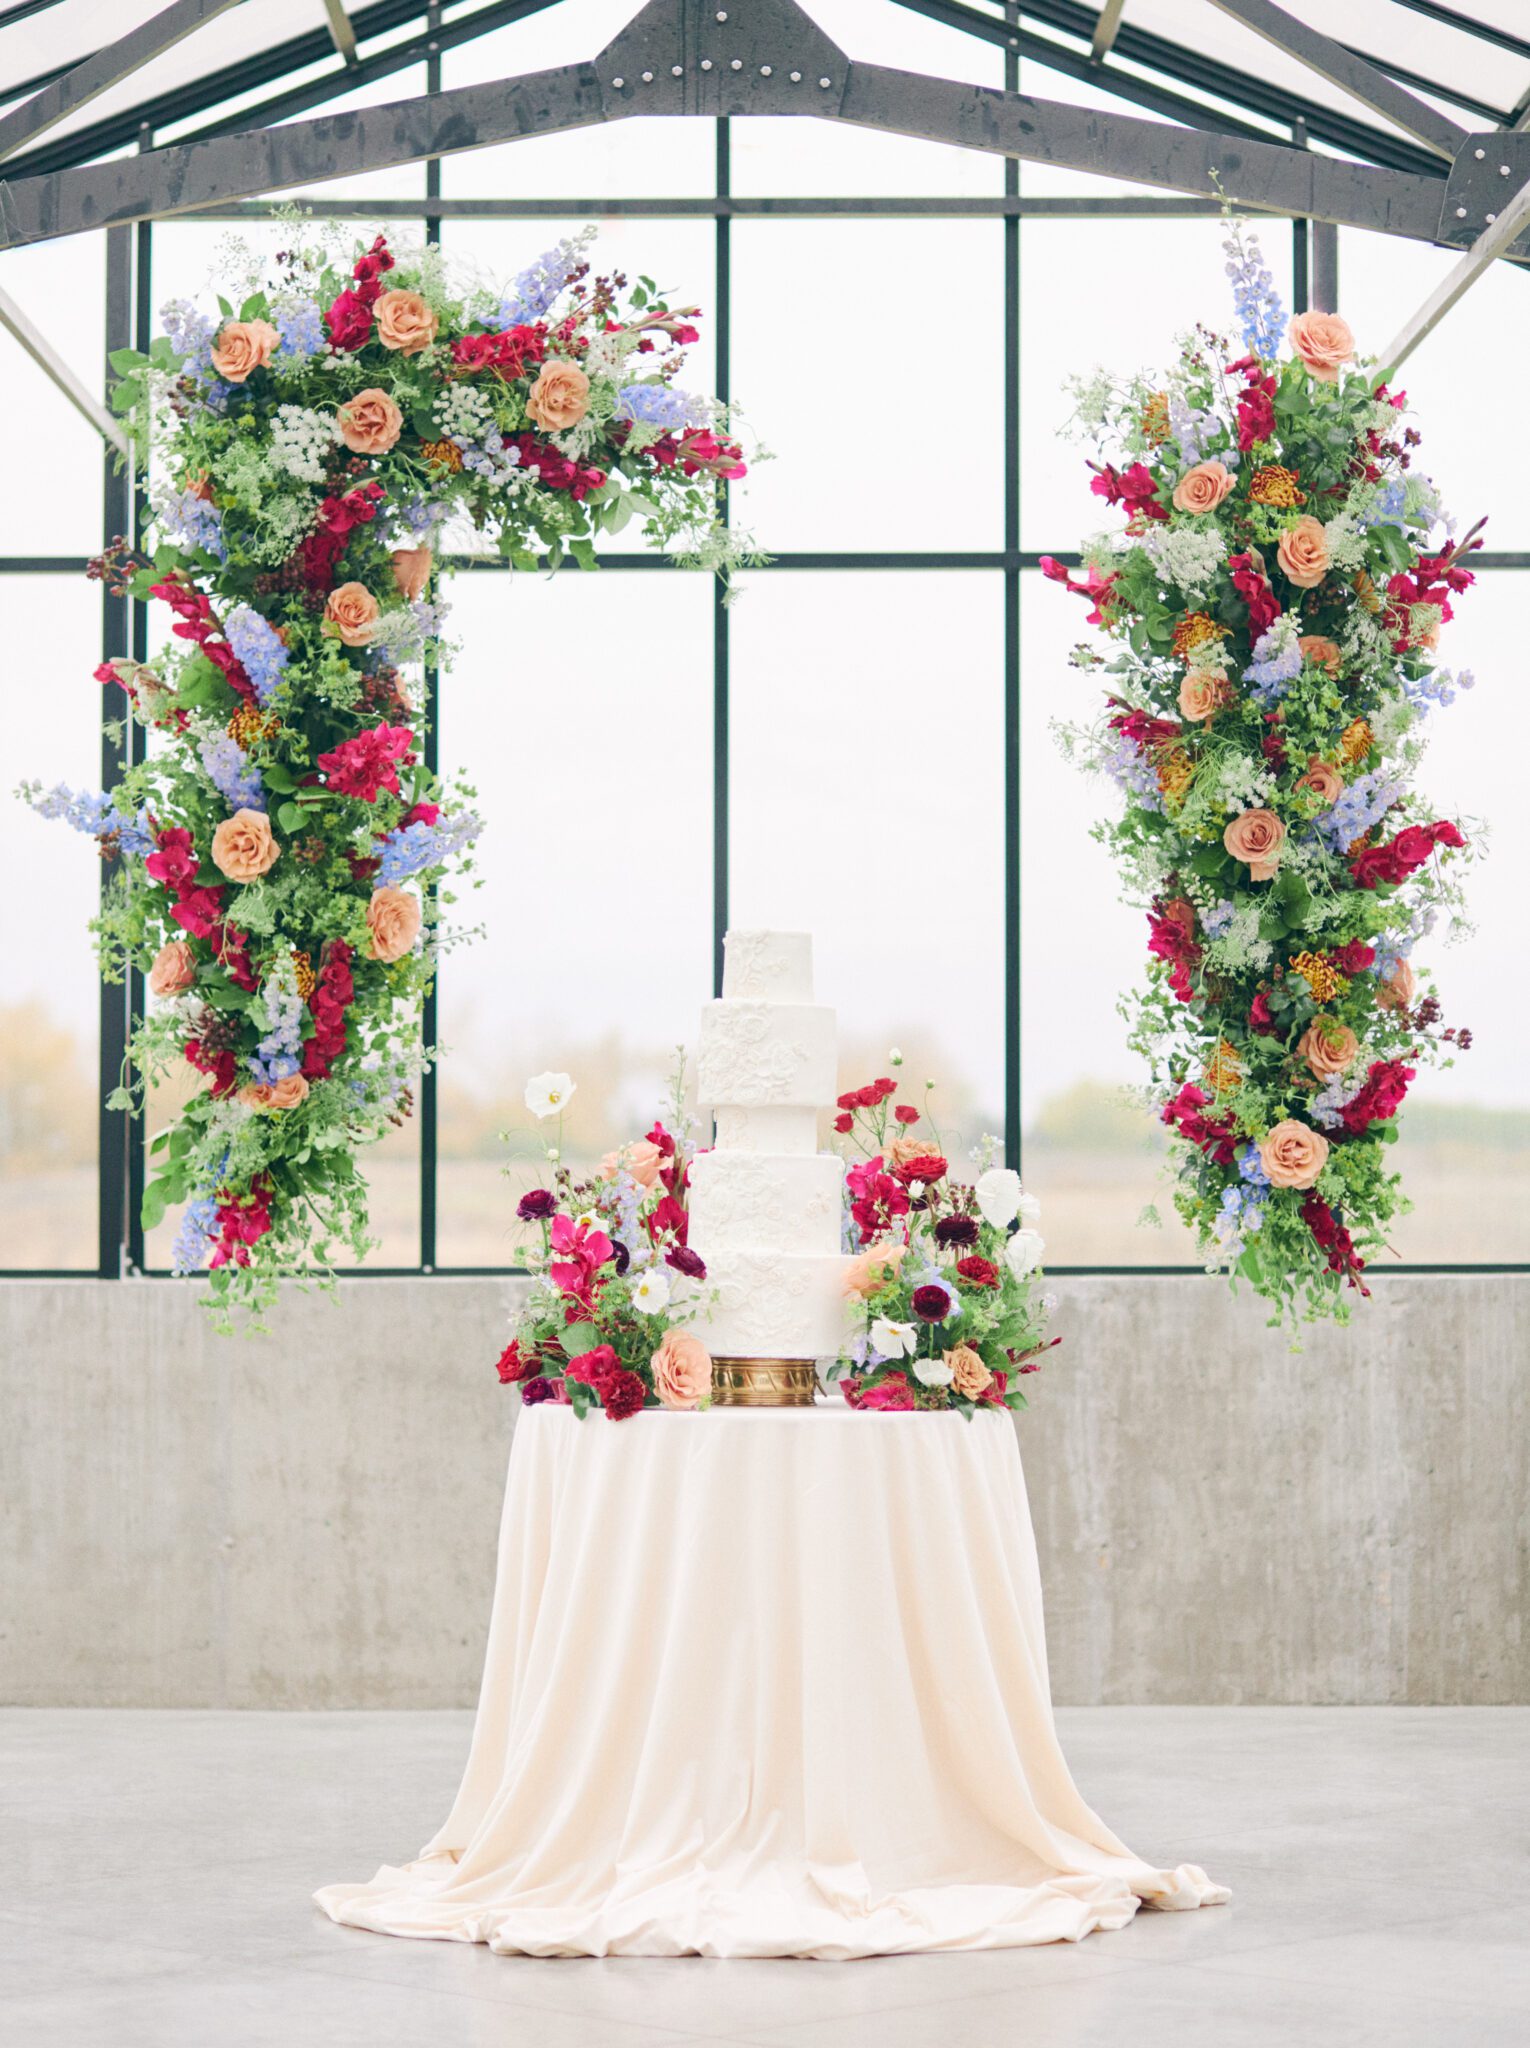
pixel 765 1684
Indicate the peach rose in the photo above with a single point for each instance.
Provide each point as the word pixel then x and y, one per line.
pixel 404 322
pixel 682 1370
pixel 559 396
pixel 1318 651
pixel 243 346
pixel 1293 1155
pixel 1203 488
pixel 411 571
pixel 243 847
pixel 1327 1047
pixel 866 1272
pixel 1323 779
pixel 353 610
pixel 1323 341
pixel 901 1150
pixel 1395 991
pixel 284 1094
pixel 370 422
pixel 1202 694
pixel 969 1375
pixel 1256 837
pixel 393 919
pixel 174 969
pixel 642 1159
pixel 1303 552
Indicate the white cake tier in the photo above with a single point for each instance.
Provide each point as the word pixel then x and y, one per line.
pixel 770 1306
pixel 758 1055
pixel 747 1201
pixel 768 967
pixel 786 1133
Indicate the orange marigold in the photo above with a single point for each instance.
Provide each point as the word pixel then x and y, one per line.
pixel 1356 742
pixel 446 454
pixel 302 967
pixel 1155 418
pixel 249 725
pixel 1325 981
pixel 1195 630
pixel 1276 485
pixel 1175 771
pixel 1366 591
pixel 1223 1071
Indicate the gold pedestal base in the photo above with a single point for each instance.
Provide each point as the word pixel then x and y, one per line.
pixel 764 1382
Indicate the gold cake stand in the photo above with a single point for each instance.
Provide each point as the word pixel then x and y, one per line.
pixel 764 1382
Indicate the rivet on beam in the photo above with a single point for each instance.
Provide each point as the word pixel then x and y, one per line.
pixel 764 71
pixel 706 63
pixel 618 83
pixel 677 71
pixel 824 82
pixel 796 78
pixel 737 64
pixel 648 78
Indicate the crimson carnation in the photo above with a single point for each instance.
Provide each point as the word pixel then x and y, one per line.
pixel 623 1394
pixel 977 1272
pixel 931 1302
pixel 536 1204
pixel 1216 1136
pixel 349 321
pixel 595 1368
pixel 906 1113
pixel 1259 1018
pixel 927 1167
pixel 956 1230
pixel 844 1122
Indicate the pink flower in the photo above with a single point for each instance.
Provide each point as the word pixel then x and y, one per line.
pixel 893 1395
pixel 642 1159
pixel 582 1252
pixel 362 766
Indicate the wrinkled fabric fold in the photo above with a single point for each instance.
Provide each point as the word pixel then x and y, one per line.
pixel 765 1684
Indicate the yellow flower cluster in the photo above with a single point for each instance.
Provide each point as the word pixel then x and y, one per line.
pixel 1366 591
pixel 1195 630
pixel 302 967
pixel 1324 981
pixel 250 724
pixel 445 454
pixel 1176 771
pixel 1276 485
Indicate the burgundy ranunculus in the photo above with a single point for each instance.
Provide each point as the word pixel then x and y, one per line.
pixel 621 1256
pixel 539 1389
pixel 932 1302
pixel 977 1272
pixel 623 1394
pixel 685 1261
pixel 349 321
pixel 956 1230
pixel 535 1204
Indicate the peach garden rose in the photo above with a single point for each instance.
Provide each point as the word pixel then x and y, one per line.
pixel 1202 694
pixel 1323 779
pixel 1293 1155
pixel 174 969
pixel 969 1376
pixel 353 611
pixel 1323 341
pixel 404 322
pixel 1203 488
pixel 682 1370
pixel 867 1271
pixel 370 423
pixel 411 571
pixel 1256 837
pixel 1302 552
pixel 1395 991
pixel 242 347
pixel 286 1093
pixel 560 396
pixel 393 920
pixel 243 846
pixel 1318 651
pixel 1328 1047
pixel 642 1159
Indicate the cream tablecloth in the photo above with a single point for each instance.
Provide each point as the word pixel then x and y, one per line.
pixel 765 1684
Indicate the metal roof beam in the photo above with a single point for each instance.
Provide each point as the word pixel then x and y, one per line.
pixel 1105 30
pixel 341 34
pixel 1496 241
pixel 1352 74
pixel 108 67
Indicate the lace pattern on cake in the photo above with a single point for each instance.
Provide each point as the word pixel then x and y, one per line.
pixel 752 1053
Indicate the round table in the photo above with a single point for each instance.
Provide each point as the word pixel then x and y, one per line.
pixel 765 1683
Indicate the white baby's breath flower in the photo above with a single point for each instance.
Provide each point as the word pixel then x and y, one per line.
pixel 548 1094
pixel 651 1294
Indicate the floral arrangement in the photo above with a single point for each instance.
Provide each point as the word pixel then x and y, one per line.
pixel 1276 598
pixel 282 857
pixel 613 1279
pixel 944 1284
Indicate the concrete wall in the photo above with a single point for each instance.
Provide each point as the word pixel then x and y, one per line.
pixel 310 1519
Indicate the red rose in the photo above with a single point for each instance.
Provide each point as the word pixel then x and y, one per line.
pixel 1413 845
pixel 927 1167
pixel 846 1122
pixel 514 1365
pixel 623 1394
pixel 931 1303
pixel 595 1368
pixel 349 321
pixel 977 1272
pixel 906 1113
pixel 1354 958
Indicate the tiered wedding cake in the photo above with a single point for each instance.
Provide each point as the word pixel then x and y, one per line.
pixel 765 1206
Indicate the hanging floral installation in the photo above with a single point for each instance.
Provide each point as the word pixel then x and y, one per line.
pixel 1276 598
pixel 283 858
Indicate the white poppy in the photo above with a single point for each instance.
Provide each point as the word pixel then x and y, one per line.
pixel 998 1195
pixel 1023 1253
pixel 590 1219
pixel 651 1294
pixel 548 1094
pixel 1029 1211
pixel 933 1372
pixel 893 1340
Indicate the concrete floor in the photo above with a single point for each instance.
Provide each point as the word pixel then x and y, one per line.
pixel 157 1869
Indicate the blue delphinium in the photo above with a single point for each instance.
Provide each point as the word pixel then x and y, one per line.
pixel 1241 1215
pixel 236 779
pixel 409 848
pixel 1134 774
pixel 191 522
pixel 93 812
pixel 1386 508
pixel 1216 920
pixel 198 1228
pixel 1261 315
pixel 1277 661
pixel 657 405
pixel 301 326
pixel 191 335
pixel 280 1052
pixel 1438 687
pixel 261 653
pixel 1363 804
pixel 534 290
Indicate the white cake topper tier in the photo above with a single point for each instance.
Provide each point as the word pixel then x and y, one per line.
pixel 770 967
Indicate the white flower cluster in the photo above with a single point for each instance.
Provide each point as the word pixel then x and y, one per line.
pixel 301 440
pixel 1346 541
pixel 1239 944
pixel 1186 556
pixel 463 412
pixel 1093 399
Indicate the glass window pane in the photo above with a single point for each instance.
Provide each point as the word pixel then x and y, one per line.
pixel 49 1009
pixel 1092 1156
pixel 61 288
pixel 862 816
pixel 936 483
pixel 580 707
